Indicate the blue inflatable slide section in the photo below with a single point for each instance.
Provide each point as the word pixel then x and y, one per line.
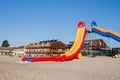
pixel 106 34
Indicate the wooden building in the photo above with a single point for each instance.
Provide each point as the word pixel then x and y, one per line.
pixel 95 44
pixel 45 48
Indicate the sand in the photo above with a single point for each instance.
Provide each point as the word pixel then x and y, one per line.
pixel 98 68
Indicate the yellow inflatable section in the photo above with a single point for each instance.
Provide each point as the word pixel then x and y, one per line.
pixel 78 41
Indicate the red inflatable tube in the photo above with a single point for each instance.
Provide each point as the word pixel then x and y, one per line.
pixel 81 24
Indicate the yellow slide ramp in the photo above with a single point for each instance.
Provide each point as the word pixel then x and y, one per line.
pixel 78 42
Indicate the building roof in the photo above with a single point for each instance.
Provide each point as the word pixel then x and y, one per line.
pixel 58 45
pixel 98 43
pixel 44 44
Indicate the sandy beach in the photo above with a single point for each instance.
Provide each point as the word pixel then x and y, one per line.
pixel 98 68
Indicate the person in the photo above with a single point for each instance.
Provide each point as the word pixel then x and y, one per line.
pixel 115 53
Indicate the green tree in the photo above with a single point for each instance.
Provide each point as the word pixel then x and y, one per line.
pixel 5 43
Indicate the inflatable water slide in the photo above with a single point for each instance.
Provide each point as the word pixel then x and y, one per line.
pixel 106 33
pixel 73 53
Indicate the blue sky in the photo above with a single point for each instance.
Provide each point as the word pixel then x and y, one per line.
pixel 28 21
